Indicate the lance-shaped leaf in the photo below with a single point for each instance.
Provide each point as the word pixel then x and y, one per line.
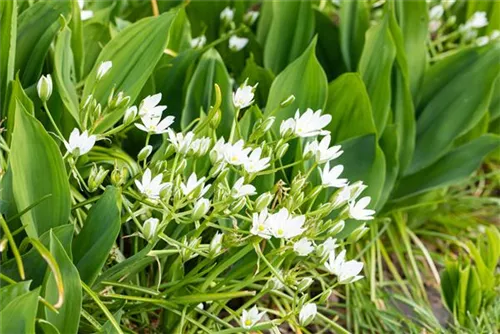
pixel 306 80
pixel 8 26
pixel 456 94
pixel 94 242
pixel 285 42
pixel 389 143
pixel 354 22
pixel 19 315
pixel 375 67
pixel 10 292
pixel 37 27
pixel 453 167
pixel 38 170
pixel 328 48
pixel 76 26
pixel 68 318
pixel 201 94
pixel 134 53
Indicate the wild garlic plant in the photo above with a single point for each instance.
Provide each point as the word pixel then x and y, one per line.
pixel 199 205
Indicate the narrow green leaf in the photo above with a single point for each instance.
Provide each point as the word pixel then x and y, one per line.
pixel 76 26
pixel 8 29
pixel 92 245
pixel 68 319
pixel 19 315
pixel 354 22
pixel 389 143
pixel 38 169
pixel 286 42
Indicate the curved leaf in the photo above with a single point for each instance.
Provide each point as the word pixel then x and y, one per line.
pixel 354 22
pixel 10 292
pixel 19 315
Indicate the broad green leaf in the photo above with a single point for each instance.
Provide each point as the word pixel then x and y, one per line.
pixel 38 170
pixel 413 20
pixel 68 319
pixel 264 22
pixel 10 292
pixel 306 80
pixel 37 27
pixel 134 53
pixel 92 245
pixel 350 107
pixel 201 95
pixel 285 42
pixel 451 168
pixel 354 22
pixel 8 27
pixel 375 67
pixel 76 26
pixel 63 67
pixel 96 36
pixel 328 47
pixel 477 131
pixel 390 146
pixel 456 94
pixel 494 108
pixel 205 17
pixel 47 327
pixel 17 95
pixel 19 315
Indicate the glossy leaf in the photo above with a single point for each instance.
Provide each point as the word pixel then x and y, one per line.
pixel 68 319
pixel 8 28
pixel 92 245
pixel 19 315
pixel 134 53
pixel 375 67
pixel 354 22
pixel 10 292
pixel 38 170
pixel 456 94
pixel 286 42
pixel 454 166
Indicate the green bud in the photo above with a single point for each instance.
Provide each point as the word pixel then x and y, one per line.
pixel 288 101
pixel 304 284
pixel 263 201
pixel 215 121
pixel 3 244
pixel 119 176
pixel 358 233
pixel 150 228
pixel 44 87
pixel 337 228
pixel 325 295
pixel 238 205
pixel 274 284
pixel 298 184
pixel 144 153
pixel 216 169
pixel 130 115
pixel 201 208
pixel 280 151
pixel 96 177
pixel 315 192
pixel 267 124
pixel 215 245
pixel 181 166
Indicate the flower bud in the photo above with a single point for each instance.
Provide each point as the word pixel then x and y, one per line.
pixel 215 245
pixel 96 177
pixel 238 205
pixel 130 115
pixel 307 314
pixel 150 228
pixel 3 244
pixel 44 87
pixel 119 176
pixel 144 153
pixel 201 208
pixel 267 124
pixel 304 284
pixel 280 152
pixel 215 121
pixel 216 169
pixel 315 191
pixel 118 101
pixel 325 295
pixel 288 101
pixel 166 192
pixel 103 69
pixel 358 233
pixel 337 228
pixel 274 284
pixel 181 166
pixel 298 184
pixel 263 201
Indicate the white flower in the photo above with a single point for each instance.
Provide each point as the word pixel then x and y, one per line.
pixel 311 123
pixel 151 188
pixel 240 189
pixel 200 306
pixel 250 318
pixel 483 40
pixel 149 106
pixel 477 20
pixel 235 154
pixel 80 144
pixel 155 124
pixel 260 225
pixel 84 14
pixel 237 43
pixel 330 177
pixel 349 193
pixel 434 25
pixel 436 12
pixel 103 69
pixel 243 97
pixel 254 163
pixel 494 34
pixel 307 313
pixel 192 184
pixel 448 3
pixel 200 208
pixel 198 42
pixel 330 244
pixel 303 247
pixel 283 225
pixel 216 244
pixel 322 152
pixel 44 87
pixel 227 14
pixel 250 17
pixel 200 146
pixel 346 271
pixel 357 209
pixel 287 127
pixel 217 152
pixel 181 142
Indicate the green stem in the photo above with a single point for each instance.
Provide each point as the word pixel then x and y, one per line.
pixel 52 121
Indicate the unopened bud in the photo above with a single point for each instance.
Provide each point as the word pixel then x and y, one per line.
pixel 201 208
pixel 150 228
pixel 103 69
pixel 238 205
pixel 324 296
pixel 130 115
pixel 275 284
pixel 304 284
pixel 315 192
pixel 215 244
pixel 215 121
pixel 280 152
pixel 44 87
pixel 263 201
pixel 358 233
pixel 288 101
pixel 298 184
pixel 337 228
pixel 119 176
pixel 96 177
pixel 181 166
pixel 267 124
pixel 216 169
pixel 3 244
pixel 145 152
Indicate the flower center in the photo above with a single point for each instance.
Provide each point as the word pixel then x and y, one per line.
pixel 261 228
pixel 234 158
pixel 280 231
pixel 248 322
